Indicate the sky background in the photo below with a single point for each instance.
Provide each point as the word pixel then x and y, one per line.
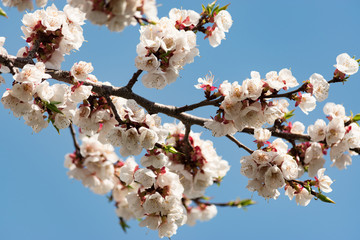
pixel 38 200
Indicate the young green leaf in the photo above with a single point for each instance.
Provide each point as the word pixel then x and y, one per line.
pixel 3 13
pixel 123 224
pixel 290 114
pixel 52 106
pixel 324 198
pixel 356 117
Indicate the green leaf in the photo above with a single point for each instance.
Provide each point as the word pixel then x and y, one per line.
pixel 324 198
pixel 246 202
pixel 171 149
pixel 54 102
pixel 3 13
pixel 224 7
pixel 206 198
pixel 110 198
pixel 52 106
pixel 289 115
pixel 123 224
pixel 52 121
pixel 356 117
pixel 203 8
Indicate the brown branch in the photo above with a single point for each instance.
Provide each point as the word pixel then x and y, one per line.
pixel 236 203
pixel 114 110
pixel 150 106
pixel 203 103
pixel 134 79
pixel 187 143
pixel 285 135
pixel 288 94
pixel 76 144
pixel 239 144
pixel 336 80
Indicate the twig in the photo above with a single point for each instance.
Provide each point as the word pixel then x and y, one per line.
pixel 205 102
pixel 187 145
pixel 76 144
pixel 134 79
pixel 288 94
pixel 284 135
pixel 114 110
pixel 239 144
pixel 236 203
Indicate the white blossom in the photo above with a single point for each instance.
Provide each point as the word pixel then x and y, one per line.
pixel 274 178
pixel 324 181
pixel 317 131
pixel 297 128
pixel 289 168
pixel 335 131
pixel 320 86
pixel 262 135
pixel 223 20
pixel 308 103
pixel 346 64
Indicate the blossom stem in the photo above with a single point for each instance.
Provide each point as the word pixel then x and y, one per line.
pixel 239 144
pixel 288 94
pixel 236 203
pixel 203 103
pixel 134 79
pixel 114 110
pixel 73 135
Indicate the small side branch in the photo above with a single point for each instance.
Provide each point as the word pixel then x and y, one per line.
pixel 239 144
pixel 288 95
pixel 236 203
pixel 134 79
pixel 187 143
pixel 76 144
pixel 203 103
pixel 114 110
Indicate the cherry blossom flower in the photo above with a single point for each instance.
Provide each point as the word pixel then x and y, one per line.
pixel 346 64
pixel 320 87
pixel 324 181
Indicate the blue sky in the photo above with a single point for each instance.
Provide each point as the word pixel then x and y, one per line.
pixel 38 201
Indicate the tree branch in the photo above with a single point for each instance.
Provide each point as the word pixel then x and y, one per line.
pixel 239 144
pixel 203 103
pixel 113 108
pixel 76 144
pixel 288 94
pixel 134 79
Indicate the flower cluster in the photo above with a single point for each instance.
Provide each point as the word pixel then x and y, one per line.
pixel 116 14
pixel 222 23
pixel 200 166
pixel 166 47
pixel 136 131
pixel 21 5
pixel 93 165
pixel 242 106
pixel 52 33
pixel 151 194
pixel 269 168
pixel 31 98
pixel 275 166
pixel 158 200
pixel 340 134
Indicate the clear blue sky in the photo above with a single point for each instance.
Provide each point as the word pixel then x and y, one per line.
pixel 38 201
